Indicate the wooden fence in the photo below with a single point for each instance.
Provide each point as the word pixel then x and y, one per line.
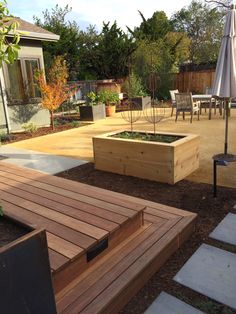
pixel 195 82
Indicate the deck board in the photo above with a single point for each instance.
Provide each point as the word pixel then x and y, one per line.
pixel 74 221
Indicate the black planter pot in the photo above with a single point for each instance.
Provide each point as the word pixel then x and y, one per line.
pixel 92 113
pixel 25 276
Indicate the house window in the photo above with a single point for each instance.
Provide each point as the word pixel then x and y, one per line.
pixel 20 81
pixel 16 88
pixel 31 66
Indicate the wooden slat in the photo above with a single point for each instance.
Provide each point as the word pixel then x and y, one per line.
pixel 70 222
pixel 56 260
pixel 111 206
pixel 19 213
pixel 69 211
pixel 135 275
pixel 154 219
pixel 86 293
pixel 94 210
pixel 86 282
pixel 71 185
pixel 159 213
pixel 62 246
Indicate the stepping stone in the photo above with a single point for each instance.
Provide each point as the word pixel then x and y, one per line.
pixel 211 272
pixel 167 304
pixel 46 163
pixel 226 230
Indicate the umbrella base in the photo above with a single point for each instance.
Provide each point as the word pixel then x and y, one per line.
pixel 220 160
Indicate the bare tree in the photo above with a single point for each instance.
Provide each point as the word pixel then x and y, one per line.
pixel 221 4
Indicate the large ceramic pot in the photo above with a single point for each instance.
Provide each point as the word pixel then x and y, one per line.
pixel 110 110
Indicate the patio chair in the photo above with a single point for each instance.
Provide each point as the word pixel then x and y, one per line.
pixel 173 101
pixel 184 103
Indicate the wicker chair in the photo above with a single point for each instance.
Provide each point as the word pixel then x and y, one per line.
pixel 184 103
pixel 173 101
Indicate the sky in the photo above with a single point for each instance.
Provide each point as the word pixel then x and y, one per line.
pixel 94 12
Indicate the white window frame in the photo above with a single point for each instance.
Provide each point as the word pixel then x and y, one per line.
pixel 22 60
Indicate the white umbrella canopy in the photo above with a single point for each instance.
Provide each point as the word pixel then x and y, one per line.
pixel 225 77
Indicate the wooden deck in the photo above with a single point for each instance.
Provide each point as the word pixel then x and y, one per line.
pixel 133 237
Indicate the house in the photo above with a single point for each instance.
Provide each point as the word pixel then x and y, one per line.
pixel 20 97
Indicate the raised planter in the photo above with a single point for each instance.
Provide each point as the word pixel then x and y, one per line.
pixel 142 101
pixel 92 113
pixel 162 162
pixel 25 276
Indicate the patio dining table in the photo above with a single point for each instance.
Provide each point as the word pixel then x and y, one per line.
pixel 205 98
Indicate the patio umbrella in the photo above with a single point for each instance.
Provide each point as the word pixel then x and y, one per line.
pixel 224 85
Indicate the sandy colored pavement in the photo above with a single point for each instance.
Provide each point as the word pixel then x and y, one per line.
pixel 77 143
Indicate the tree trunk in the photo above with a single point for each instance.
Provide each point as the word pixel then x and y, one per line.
pixel 52 119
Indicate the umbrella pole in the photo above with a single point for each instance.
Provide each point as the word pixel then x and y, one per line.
pixel 226 126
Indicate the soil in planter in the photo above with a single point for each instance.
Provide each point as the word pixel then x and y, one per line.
pixel 141 136
pixel 10 231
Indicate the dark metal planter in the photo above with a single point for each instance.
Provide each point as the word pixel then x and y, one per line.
pixel 92 113
pixel 25 276
pixel 141 101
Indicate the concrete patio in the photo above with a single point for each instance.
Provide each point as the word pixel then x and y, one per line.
pixel 77 143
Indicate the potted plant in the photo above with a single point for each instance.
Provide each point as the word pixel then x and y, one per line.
pixel 93 109
pixel 135 91
pixel 24 267
pixel 110 99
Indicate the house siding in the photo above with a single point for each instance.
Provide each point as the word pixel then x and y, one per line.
pixel 2 116
pixel 24 113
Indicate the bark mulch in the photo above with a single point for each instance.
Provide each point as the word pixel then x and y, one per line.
pixel 194 197
pixel 10 231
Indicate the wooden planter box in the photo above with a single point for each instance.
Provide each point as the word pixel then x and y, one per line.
pixel 155 161
pixel 25 276
pixel 92 113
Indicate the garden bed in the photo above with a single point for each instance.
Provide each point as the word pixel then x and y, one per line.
pixel 190 196
pixel 10 231
pixel 157 157
pixel 62 123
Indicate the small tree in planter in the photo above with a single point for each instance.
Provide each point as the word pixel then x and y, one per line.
pixel 55 92
pixel 135 91
pixel 110 99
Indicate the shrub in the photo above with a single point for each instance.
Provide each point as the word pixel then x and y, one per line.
pixel 133 86
pixel 108 97
pixel 29 127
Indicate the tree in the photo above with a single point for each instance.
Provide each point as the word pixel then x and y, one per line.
pixel 68 44
pixel 112 53
pixel 154 28
pixel 160 50
pixel 8 48
pixel 204 27
pixel 88 55
pixel 55 92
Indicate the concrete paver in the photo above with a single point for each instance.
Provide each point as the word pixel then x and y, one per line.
pixel 167 304
pixel 211 272
pixel 226 230
pixel 44 162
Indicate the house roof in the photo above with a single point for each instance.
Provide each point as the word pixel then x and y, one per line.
pixel 32 31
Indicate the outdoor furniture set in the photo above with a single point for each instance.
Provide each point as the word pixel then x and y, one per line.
pixel 186 102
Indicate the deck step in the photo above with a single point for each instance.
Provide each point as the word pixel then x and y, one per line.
pixel 81 225
pixel 113 280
